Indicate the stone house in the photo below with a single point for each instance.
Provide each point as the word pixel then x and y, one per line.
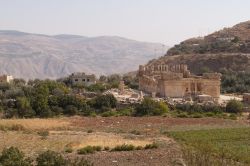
pixel 82 79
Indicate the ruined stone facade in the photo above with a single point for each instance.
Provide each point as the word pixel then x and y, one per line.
pixel 176 81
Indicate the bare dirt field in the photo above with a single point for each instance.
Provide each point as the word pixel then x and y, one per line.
pixel 36 135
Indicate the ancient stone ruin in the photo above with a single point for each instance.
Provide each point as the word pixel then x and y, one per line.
pixel 176 81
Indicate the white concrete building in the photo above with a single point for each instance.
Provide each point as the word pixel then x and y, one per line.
pixel 6 78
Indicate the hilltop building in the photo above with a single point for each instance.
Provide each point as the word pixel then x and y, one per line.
pixel 6 78
pixel 82 79
pixel 176 81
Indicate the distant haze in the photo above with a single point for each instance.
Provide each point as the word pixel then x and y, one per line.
pixel 33 56
pixel 162 21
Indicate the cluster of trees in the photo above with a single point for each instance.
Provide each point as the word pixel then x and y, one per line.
pixel 47 98
pixel 14 157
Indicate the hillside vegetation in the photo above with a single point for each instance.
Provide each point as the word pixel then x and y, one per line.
pixel 230 40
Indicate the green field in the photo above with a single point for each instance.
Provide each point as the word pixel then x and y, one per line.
pixel 216 146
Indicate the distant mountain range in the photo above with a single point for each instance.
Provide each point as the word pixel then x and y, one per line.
pixel 31 56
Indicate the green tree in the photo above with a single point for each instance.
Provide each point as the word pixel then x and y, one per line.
pixel 23 107
pixel 40 101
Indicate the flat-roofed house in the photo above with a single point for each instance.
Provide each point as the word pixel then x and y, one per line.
pixel 82 79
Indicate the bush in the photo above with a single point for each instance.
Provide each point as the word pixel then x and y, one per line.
pixel 107 100
pixel 150 107
pixel 98 87
pixel 126 111
pixel 43 133
pixel 109 114
pixel 123 147
pixel 182 115
pixel 57 110
pixel 13 157
pixel 68 150
pixel 97 148
pixel 209 114
pixel 234 106
pixel 151 146
pixel 135 132
pixel 90 131
pixel 89 149
pixel 17 127
pixel 70 110
pixel 50 158
pixel 139 148
pixel 197 115
pixel 106 148
pixel 80 162
pixel 233 116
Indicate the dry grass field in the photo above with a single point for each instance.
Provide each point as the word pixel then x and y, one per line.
pixel 37 135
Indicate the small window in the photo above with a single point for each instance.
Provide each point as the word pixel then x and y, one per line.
pixel 83 80
pixel 76 80
pixel 88 80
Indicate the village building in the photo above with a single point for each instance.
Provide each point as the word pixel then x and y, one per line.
pixel 176 81
pixel 6 78
pixel 82 79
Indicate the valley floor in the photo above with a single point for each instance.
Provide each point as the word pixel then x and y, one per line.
pixel 33 136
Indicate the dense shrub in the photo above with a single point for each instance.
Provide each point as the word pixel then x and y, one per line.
pixel 150 107
pixel 80 162
pixel 151 146
pixel 108 113
pixel 50 158
pixel 98 87
pixel 89 149
pixel 70 110
pixel 108 101
pixel 126 111
pixel 123 147
pixel 234 106
pixel 13 157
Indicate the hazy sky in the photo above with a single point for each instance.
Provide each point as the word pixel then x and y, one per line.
pixel 165 21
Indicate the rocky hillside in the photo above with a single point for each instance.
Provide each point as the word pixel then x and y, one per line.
pixel 40 56
pixel 228 40
pixel 199 64
pixel 226 51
